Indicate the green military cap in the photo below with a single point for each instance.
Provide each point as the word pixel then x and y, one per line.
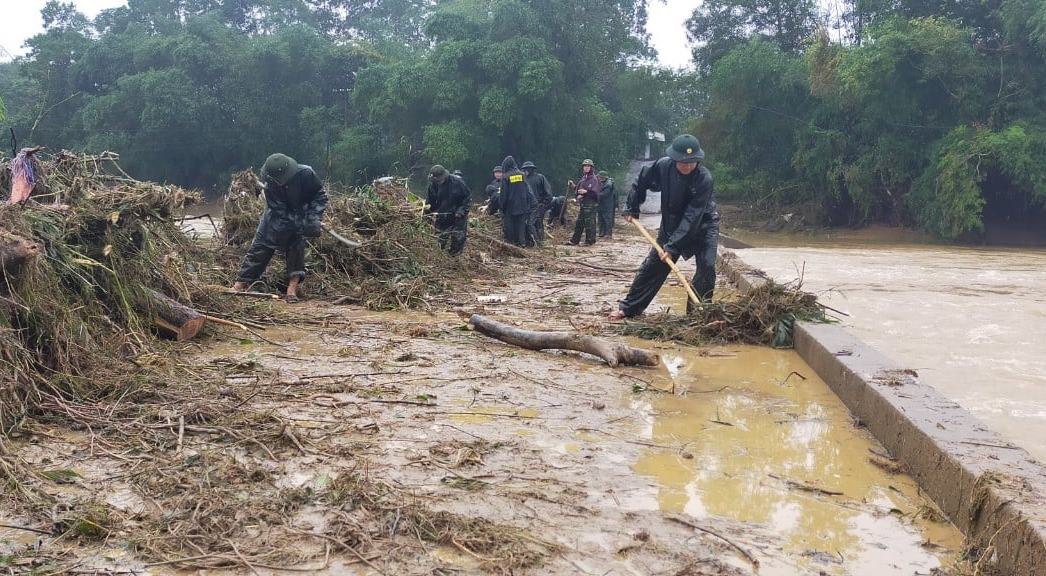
pixel 685 148
pixel 279 168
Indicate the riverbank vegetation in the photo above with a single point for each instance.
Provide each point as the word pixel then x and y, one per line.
pixel 910 112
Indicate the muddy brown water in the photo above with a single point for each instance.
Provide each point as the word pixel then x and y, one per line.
pixel 972 321
pixel 761 436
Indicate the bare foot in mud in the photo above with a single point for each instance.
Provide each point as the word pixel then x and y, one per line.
pixel 616 316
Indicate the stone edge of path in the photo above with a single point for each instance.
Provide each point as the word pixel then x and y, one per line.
pixel 992 490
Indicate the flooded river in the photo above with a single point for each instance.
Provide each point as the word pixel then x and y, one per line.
pixel 972 321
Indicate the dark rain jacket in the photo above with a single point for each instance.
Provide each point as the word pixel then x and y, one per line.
pixel 607 196
pixel 588 188
pixel 540 187
pixel 515 198
pixel 294 209
pixel 686 203
pixel 492 189
pixel 450 201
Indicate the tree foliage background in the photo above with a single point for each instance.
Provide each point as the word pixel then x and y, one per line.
pixel 917 112
pixel 921 112
pixel 190 90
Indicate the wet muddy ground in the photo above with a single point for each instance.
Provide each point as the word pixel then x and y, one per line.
pixel 719 461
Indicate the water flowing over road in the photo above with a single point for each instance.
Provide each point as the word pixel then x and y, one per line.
pixel 972 321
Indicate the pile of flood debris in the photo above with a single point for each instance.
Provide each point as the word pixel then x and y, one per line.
pixel 94 266
pixel 765 316
pixel 92 263
pixel 378 248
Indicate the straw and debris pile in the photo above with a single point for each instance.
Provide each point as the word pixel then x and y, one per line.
pixel 205 445
pixel 76 313
pixel 399 265
pixel 763 316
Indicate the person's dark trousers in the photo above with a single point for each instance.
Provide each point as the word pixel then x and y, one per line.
pixel 452 235
pixel 606 220
pixel 653 272
pixel 515 228
pixel 531 232
pixel 538 221
pixel 586 221
pixel 261 251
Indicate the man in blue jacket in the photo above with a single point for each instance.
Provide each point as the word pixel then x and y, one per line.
pixel 689 224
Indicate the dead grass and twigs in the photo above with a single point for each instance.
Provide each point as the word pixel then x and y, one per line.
pixel 763 316
pixel 203 450
pixel 399 264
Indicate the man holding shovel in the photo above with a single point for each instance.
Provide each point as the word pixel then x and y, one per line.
pixel 294 206
pixel 689 225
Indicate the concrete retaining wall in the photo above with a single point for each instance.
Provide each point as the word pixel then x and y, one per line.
pixel 992 490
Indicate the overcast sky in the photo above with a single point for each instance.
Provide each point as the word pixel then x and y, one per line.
pixel 21 20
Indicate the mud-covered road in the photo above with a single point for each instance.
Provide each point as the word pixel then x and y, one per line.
pixel 720 460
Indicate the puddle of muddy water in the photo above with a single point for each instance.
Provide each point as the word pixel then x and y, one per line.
pixel 752 441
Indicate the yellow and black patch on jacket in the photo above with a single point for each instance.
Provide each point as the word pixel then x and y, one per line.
pixel 515 179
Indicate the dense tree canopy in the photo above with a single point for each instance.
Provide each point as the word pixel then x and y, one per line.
pixel 921 112
pixel 927 113
pixel 190 90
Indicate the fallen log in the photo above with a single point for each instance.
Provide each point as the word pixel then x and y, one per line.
pixel 174 318
pixel 612 353
pixel 510 249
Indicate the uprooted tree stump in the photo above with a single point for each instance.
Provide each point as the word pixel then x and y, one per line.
pixel 174 318
pixel 612 353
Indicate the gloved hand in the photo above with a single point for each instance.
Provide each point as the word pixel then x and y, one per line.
pixel 312 228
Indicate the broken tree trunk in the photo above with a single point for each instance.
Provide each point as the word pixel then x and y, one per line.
pixel 174 318
pixel 15 251
pixel 613 353
pixel 510 249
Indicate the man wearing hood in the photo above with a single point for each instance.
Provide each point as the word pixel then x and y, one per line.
pixel 543 193
pixel 607 205
pixel 294 206
pixel 516 202
pixel 689 224
pixel 587 195
pixel 449 200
